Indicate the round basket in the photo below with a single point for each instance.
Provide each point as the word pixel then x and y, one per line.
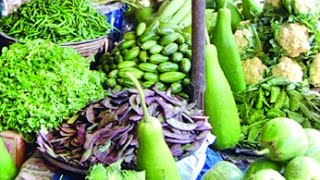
pixel 85 48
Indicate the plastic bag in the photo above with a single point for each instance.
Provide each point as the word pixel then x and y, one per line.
pixel 191 166
pixel 114 13
pixel 9 6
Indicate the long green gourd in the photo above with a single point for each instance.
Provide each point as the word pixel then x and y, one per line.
pixel 251 9
pixel 228 53
pixel 235 13
pixel 154 155
pixel 219 103
pixel 8 170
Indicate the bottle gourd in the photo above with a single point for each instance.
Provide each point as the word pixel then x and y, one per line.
pixel 219 103
pixel 154 155
pixel 8 168
pixel 228 53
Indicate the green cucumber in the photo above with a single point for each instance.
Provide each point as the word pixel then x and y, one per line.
pixel 136 72
pixel 126 82
pixel 170 38
pixel 186 81
pixel 141 28
pixel 158 58
pixel 153 26
pixel 165 31
pixel 111 82
pixel 171 77
pixel 185 65
pixel 149 76
pixel 130 35
pixel 127 44
pixel 113 73
pixel 177 57
pixel 170 49
pixel 156 49
pixel 176 87
pixel 126 64
pixel 148 67
pixel 168 67
pixel 148 84
pixel 160 86
pixel 147 36
pixel 143 56
pixel 148 44
pixel 132 54
pixel 183 48
pixel 180 39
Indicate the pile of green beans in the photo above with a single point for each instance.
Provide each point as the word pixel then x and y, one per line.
pixel 59 21
pixel 275 97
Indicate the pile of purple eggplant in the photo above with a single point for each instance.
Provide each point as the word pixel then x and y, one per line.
pixel 105 131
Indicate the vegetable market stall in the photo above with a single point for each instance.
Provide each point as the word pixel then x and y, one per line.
pixel 245 72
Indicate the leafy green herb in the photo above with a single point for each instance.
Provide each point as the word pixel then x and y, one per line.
pixel 42 83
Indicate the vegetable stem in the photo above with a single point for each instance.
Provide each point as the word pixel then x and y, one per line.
pixel 262 152
pixel 225 4
pixel 207 36
pixel 141 95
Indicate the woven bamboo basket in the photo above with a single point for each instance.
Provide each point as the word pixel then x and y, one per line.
pixel 85 48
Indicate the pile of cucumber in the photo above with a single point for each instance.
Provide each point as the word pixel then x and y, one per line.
pixel 156 54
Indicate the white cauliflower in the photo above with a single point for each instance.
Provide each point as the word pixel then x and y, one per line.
pixel 253 70
pixel 273 3
pixel 242 37
pixel 288 68
pixel 293 38
pixel 314 71
pixel 306 6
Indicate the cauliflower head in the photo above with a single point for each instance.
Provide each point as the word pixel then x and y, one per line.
pixel 314 71
pixel 247 39
pixel 242 37
pixel 293 38
pixel 273 3
pixel 288 68
pixel 253 70
pixel 306 6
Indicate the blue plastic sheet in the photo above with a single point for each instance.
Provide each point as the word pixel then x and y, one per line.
pixel 211 160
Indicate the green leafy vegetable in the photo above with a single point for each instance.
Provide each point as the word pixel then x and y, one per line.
pixel 113 171
pixel 275 97
pixel 42 83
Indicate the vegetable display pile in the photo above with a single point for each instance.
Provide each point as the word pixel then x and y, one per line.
pixel 282 40
pixel 156 55
pixel 278 43
pixel 59 21
pixel 43 83
pixel 271 98
pixel 105 131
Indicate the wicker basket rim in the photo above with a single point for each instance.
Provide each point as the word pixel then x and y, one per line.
pixel 63 44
